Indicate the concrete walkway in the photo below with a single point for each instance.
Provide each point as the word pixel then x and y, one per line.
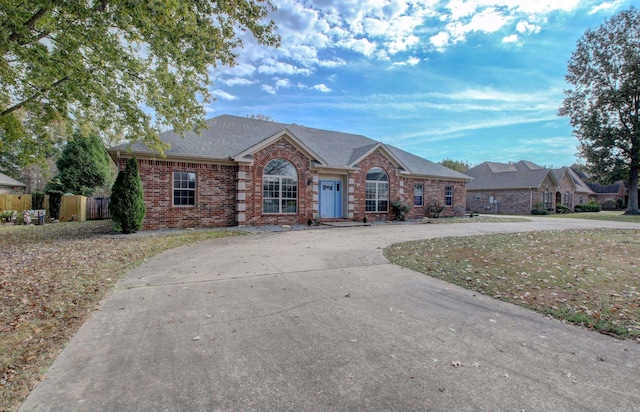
pixel 318 320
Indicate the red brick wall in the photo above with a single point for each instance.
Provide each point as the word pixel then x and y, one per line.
pixel 281 149
pixel 215 195
pixel 217 187
pixel 433 191
pixel 376 159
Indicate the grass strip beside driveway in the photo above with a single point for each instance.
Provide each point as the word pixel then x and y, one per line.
pixel 51 279
pixel 588 277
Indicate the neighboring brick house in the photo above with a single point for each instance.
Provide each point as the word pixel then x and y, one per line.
pixel 242 171
pixel 513 189
pixel 608 195
pixel 572 190
pixel 10 185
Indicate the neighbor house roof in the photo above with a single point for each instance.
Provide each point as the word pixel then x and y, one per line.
pixel 9 181
pixel 227 137
pixel 492 175
pixel 580 185
pixel 614 188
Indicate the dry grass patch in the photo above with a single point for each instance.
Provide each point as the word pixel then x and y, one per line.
pixel 51 278
pixel 586 277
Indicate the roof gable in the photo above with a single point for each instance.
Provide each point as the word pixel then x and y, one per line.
pixel 10 181
pixel 489 175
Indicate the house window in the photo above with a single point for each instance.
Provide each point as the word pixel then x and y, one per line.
pixel 279 187
pixel 448 195
pixel 377 191
pixel 418 195
pixel 184 189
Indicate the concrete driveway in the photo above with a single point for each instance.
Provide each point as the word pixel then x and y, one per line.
pixel 318 320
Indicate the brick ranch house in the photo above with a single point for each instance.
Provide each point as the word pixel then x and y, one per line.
pixel 242 171
pixel 512 189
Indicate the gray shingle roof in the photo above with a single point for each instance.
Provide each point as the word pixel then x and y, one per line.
pixel 490 175
pixel 602 189
pixel 227 136
pixel 9 181
pixel 581 186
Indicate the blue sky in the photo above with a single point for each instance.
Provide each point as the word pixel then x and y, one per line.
pixel 477 80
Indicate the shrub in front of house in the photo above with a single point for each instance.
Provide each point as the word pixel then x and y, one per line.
pixel 434 209
pixel 592 206
pixel 562 209
pixel 399 210
pixel 126 205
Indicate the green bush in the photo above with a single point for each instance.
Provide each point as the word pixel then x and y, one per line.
pixel 55 201
pixel 539 212
pixel 37 201
pixel 127 199
pixel 620 203
pixel 592 206
pixel 399 210
pixel 562 209
pixel 434 209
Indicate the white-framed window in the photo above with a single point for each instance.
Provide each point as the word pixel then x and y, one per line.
pixel 377 190
pixel 448 195
pixel 184 189
pixel 279 187
pixel 418 195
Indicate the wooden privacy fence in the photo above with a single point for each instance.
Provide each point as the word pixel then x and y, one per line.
pixel 73 208
pixel 77 208
pixel 98 208
pixel 18 203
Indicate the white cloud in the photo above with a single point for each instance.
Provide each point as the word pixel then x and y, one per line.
pixel 321 87
pixel 511 39
pixel 283 83
pixel 268 89
pixel 524 27
pixel 237 81
pixel 222 95
pixel 411 61
pixel 605 7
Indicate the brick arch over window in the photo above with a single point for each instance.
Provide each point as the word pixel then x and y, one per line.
pixel 282 149
pixel 375 159
pixel 279 187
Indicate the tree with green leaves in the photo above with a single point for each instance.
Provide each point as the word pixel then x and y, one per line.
pixel 127 68
pixel 457 165
pixel 84 165
pixel 126 205
pixel 603 104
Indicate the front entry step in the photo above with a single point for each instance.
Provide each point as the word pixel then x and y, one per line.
pixel 342 223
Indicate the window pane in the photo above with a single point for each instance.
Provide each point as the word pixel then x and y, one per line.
pixel 377 174
pixel 383 206
pixel 184 185
pixel 289 206
pixel 383 191
pixel 280 167
pixel 270 206
pixel 370 205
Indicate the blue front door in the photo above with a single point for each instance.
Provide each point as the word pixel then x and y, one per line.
pixel 330 199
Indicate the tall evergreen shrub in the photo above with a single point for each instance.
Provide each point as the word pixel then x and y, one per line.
pixel 127 199
pixel 55 201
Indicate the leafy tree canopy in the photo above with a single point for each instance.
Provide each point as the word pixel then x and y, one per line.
pixel 457 165
pixel 603 104
pixel 84 165
pixel 128 68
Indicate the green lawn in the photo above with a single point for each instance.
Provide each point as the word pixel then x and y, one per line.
pixel 589 277
pixel 616 216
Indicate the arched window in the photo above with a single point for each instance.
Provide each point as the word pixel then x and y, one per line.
pixel 279 187
pixel 377 191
